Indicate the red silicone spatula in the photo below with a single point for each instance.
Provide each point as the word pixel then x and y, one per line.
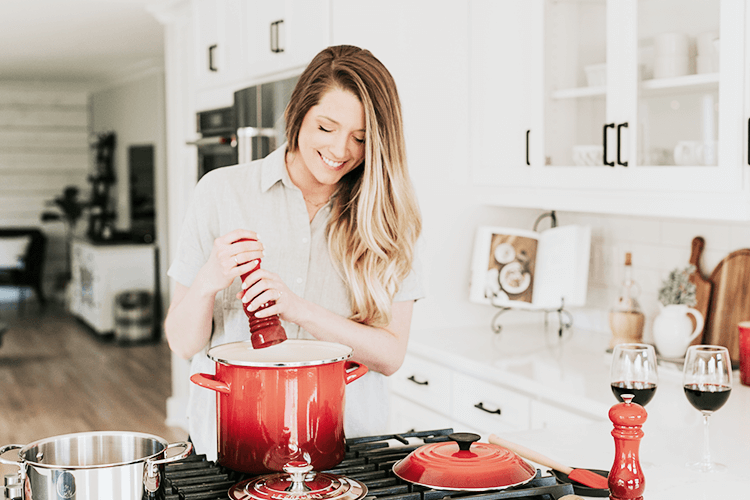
pixel 583 476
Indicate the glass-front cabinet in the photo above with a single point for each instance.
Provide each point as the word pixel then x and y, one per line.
pixel 625 96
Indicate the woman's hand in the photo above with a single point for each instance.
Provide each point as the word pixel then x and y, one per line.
pixel 264 286
pixel 231 258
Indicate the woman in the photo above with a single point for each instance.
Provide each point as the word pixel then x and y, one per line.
pixel 335 219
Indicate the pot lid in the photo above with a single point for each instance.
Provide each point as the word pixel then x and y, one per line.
pixel 298 482
pixel 464 464
pixel 291 352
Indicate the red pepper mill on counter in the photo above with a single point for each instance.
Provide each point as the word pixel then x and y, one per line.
pixel 626 480
pixel 264 332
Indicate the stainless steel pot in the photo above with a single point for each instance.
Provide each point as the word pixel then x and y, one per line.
pixel 92 466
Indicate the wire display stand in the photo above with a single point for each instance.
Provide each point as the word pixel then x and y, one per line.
pixel 565 318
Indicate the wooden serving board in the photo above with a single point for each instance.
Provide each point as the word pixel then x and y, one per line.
pixel 730 302
pixel 703 286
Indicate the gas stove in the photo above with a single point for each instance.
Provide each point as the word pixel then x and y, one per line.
pixel 369 460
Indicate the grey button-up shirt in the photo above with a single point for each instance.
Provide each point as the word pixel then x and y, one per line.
pixel 261 197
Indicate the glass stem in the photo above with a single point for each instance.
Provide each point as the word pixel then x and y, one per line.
pixel 706 449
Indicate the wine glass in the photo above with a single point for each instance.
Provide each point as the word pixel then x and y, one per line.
pixel 707 380
pixel 634 372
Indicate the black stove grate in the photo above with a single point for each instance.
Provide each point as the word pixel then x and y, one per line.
pixel 369 460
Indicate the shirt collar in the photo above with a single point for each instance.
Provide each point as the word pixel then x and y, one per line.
pixel 273 169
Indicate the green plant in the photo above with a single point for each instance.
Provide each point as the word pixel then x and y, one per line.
pixel 677 289
pixel 69 210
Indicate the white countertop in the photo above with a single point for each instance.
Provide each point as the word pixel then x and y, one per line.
pixel 575 369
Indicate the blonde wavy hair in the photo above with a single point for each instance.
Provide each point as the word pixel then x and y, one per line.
pixel 375 218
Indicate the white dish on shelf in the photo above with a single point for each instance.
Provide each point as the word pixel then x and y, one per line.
pixel 596 74
pixel 588 155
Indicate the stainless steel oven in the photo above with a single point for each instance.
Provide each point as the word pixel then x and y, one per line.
pixel 217 146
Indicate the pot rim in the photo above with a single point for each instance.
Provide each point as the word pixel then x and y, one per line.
pixel 269 352
pixel 42 465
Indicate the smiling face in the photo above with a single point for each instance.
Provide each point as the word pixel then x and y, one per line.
pixel 331 142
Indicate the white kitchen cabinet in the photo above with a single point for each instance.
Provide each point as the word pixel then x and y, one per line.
pixel 426 394
pixel 219 42
pixel 407 415
pixel 284 34
pixel 425 383
pixel 100 272
pixel 488 406
pixel 643 120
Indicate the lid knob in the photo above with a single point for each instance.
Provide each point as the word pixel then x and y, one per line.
pixel 464 439
pixel 298 470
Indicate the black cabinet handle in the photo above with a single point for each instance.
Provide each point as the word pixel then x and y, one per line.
pixel 480 406
pixel 527 147
pixel 211 66
pixel 412 379
pixel 619 144
pixel 608 125
pixel 275 46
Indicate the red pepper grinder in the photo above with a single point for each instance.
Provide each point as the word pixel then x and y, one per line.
pixel 264 332
pixel 626 480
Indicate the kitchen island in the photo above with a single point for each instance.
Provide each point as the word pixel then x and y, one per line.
pixel 573 370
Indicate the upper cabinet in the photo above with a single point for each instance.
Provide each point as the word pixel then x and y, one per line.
pixel 240 42
pixel 630 106
pixel 284 34
pixel 219 41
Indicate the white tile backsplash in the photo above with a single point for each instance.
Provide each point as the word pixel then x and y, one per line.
pixel 657 247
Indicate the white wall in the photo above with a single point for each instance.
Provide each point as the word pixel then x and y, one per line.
pixel 43 148
pixel 658 245
pixel 134 110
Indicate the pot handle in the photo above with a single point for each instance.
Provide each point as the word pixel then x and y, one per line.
pixel 698 323
pixel 6 449
pixel 13 484
pixel 209 381
pixel 151 476
pixel 358 371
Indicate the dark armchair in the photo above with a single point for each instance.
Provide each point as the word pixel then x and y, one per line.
pixel 29 271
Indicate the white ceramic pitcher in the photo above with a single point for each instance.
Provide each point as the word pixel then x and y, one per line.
pixel 673 330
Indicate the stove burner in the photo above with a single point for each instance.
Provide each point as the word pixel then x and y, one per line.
pixel 369 460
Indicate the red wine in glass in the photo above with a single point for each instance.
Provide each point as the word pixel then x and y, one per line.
pixel 643 391
pixel 707 397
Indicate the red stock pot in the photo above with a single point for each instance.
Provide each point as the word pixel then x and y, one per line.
pixel 280 404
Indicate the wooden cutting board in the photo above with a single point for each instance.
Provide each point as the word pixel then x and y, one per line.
pixel 703 286
pixel 730 301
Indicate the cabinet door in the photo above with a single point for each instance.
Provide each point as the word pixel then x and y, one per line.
pixel 284 35
pixel 669 131
pixel 407 415
pixel 653 121
pixel 423 382
pixel 218 33
pixel 488 407
pixel 504 72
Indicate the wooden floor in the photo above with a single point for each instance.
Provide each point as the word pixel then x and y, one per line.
pixel 57 377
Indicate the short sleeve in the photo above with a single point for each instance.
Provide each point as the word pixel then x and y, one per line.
pixel 197 235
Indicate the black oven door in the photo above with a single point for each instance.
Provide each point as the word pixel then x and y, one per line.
pixel 215 152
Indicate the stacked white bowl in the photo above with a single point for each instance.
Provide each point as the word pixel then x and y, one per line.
pixel 671 55
pixel 707 59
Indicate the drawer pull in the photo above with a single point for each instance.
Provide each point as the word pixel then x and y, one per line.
pixel 480 406
pixel 412 379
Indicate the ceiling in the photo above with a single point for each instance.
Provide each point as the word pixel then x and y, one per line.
pixel 85 42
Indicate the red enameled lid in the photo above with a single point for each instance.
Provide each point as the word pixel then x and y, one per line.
pixel 298 482
pixel 464 464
